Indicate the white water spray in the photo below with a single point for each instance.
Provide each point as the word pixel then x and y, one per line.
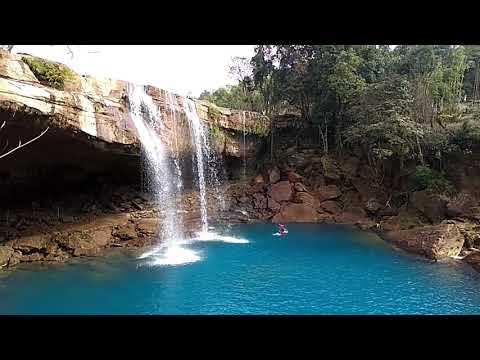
pixel 244 149
pixel 200 143
pixel 172 102
pixel 147 120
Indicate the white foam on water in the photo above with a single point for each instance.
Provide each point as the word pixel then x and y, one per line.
pixel 176 255
pixel 210 236
pixel 171 255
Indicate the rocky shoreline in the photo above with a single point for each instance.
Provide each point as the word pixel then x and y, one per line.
pixel 312 188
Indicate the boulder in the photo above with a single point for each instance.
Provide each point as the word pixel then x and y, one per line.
pixel 125 232
pixel 473 260
pixel 306 198
pixel 293 213
pixel 281 191
pixel 328 192
pixel 272 204
pixel 33 243
pixel 6 253
pixel 330 171
pixel 351 216
pixel 373 206
pixel 331 207
pixel 259 201
pixel 258 180
pixel 461 204
pixel 78 243
pixel 432 206
pixel 351 198
pixel 299 187
pixel 388 211
pixel 274 175
pixel 293 177
pixel 435 241
pixel 402 221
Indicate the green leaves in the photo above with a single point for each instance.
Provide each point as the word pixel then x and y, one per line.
pixel 48 72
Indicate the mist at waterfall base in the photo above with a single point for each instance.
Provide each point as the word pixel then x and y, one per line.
pixel 146 117
pixel 315 269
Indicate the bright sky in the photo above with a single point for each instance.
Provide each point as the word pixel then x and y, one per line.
pixel 183 69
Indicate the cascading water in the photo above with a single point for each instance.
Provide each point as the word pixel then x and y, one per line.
pixel 244 149
pixel 199 141
pixel 172 102
pixel 164 183
pixel 146 118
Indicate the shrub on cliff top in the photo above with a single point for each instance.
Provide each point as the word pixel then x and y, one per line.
pixel 214 113
pixel 49 73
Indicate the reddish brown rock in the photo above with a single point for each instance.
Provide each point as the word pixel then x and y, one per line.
pixel 78 243
pixel 373 206
pixel 147 226
pixel 461 204
pixel 125 232
pixel 351 216
pixel 293 213
pixel 351 198
pixel 325 218
pixel 258 180
pixel 273 205
pixel 299 187
pixel 6 253
pixel 281 191
pixel 306 198
pixel 403 221
pixel 293 177
pixel 274 175
pixel 34 243
pixel 330 171
pixel 331 207
pixel 473 260
pixel 435 242
pixel 350 166
pixel 329 192
pixel 432 206
pixel 259 201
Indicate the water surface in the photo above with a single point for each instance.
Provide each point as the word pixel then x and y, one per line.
pixel 315 269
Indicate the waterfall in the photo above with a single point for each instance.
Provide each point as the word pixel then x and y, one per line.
pixel 244 149
pixel 199 141
pixel 148 122
pixel 164 179
pixel 172 102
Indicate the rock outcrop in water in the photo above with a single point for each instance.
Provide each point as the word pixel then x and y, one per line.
pixel 435 242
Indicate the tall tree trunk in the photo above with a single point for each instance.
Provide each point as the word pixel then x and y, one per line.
pixel 476 82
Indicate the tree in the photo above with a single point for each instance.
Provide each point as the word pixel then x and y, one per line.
pixel 472 78
pixel 9 48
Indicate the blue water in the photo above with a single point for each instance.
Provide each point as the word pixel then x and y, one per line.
pixel 315 269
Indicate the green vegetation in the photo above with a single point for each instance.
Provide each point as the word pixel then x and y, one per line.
pixel 214 113
pixel 432 181
pixel 391 106
pixel 261 126
pixel 213 132
pixel 49 73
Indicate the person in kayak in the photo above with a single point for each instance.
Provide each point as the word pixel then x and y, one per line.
pixel 281 229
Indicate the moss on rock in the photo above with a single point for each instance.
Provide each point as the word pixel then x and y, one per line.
pixel 49 73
